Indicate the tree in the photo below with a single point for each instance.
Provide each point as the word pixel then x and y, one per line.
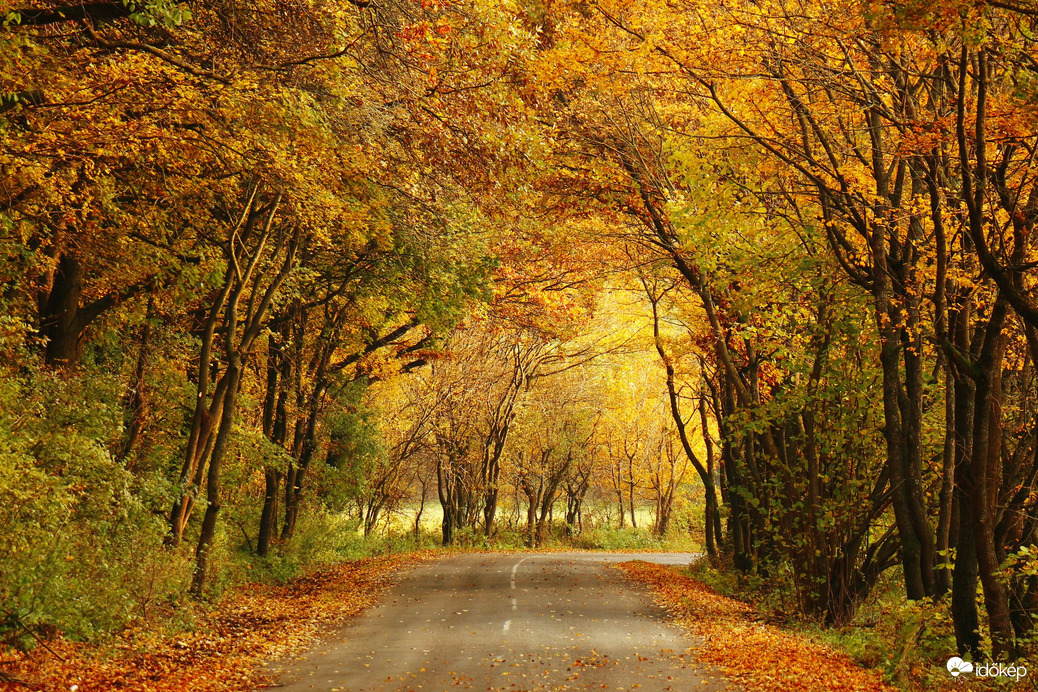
pixel 874 136
pixel 554 443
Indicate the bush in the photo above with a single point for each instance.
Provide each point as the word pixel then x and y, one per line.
pixel 604 538
pixel 80 551
pixel 908 641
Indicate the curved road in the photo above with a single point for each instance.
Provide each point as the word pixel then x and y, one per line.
pixel 527 621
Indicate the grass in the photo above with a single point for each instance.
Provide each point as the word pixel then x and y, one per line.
pixel 600 531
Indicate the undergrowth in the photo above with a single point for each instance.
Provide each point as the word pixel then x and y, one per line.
pixel 909 642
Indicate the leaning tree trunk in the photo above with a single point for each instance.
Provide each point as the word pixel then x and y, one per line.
pixel 275 426
pixel 208 408
pixel 203 552
pixel 306 454
pixel 235 348
pixel 902 441
pixel 711 509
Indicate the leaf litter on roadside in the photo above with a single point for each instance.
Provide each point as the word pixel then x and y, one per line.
pixel 760 657
pixel 252 624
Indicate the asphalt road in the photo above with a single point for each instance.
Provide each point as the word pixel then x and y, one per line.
pixel 552 621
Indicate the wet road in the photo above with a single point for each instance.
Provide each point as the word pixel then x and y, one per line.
pixel 551 621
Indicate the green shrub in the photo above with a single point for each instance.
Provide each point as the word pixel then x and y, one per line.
pixel 80 550
pixel 604 538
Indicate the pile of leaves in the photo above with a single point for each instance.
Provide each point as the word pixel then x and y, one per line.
pixel 252 624
pixel 759 656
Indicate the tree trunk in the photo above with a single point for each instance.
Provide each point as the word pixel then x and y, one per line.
pixel 630 494
pixel 710 509
pixel 60 322
pixel 713 513
pixel 982 479
pixel 917 542
pixel 200 442
pixel 421 508
pixel 268 518
pixel 208 533
pixel 205 411
pixel 275 427
pixel 137 401
pixel 620 504
pixel 532 498
pixel 307 449
pixel 965 614
pixel 490 499
pixel 947 494
pixel 445 491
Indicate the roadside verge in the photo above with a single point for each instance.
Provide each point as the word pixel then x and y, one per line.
pixel 757 656
pixel 254 623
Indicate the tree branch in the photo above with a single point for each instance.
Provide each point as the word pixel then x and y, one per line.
pixel 157 52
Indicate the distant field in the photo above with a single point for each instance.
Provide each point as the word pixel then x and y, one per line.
pixel 402 520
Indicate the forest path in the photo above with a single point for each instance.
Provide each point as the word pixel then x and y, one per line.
pixel 518 621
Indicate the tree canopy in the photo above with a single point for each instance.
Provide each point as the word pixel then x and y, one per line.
pixel 276 275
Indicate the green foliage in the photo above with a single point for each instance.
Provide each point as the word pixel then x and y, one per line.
pixel 818 394
pixel 905 634
pixel 721 578
pixel 607 538
pixel 166 13
pixel 355 441
pixel 320 539
pixel 80 550
pixel 908 641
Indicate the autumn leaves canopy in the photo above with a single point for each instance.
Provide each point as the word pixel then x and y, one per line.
pixel 240 211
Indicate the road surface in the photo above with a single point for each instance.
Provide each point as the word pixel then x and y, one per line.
pixel 550 621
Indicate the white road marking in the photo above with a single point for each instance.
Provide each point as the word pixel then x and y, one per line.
pixel 515 568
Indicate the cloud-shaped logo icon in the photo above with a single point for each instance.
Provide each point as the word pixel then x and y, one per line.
pixel 956 666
